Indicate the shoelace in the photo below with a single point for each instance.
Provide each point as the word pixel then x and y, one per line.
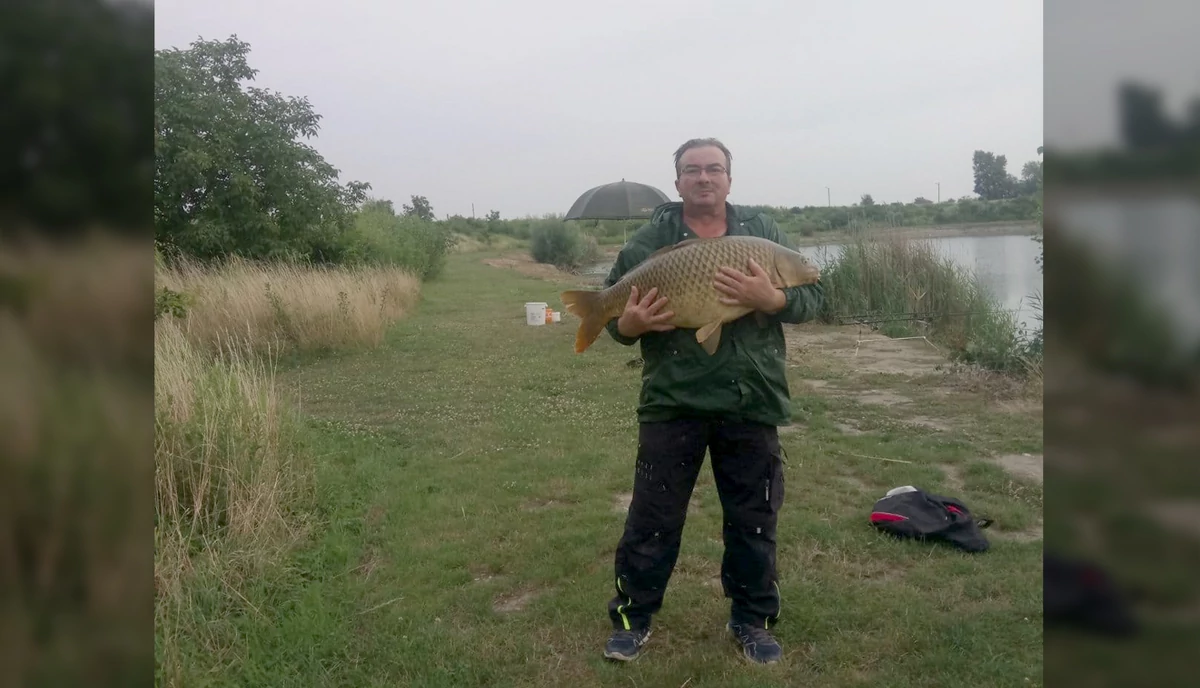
pixel 758 635
pixel 635 636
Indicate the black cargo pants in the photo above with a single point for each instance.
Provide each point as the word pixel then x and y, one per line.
pixel 748 472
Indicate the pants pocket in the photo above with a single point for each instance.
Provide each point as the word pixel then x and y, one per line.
pixel 774 484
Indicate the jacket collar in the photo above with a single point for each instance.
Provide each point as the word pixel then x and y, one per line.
pixel 672 212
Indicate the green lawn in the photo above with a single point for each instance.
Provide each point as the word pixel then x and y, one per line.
pixel 470 482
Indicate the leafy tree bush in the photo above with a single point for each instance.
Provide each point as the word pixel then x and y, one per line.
pixel 555 242
pixel 232 172
pixel 381 236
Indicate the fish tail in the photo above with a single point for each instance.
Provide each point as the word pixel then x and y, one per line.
pixel 587 307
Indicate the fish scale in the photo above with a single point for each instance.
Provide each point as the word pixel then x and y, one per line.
pixel 684 273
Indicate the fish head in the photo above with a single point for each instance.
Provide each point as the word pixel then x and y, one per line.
pixel 793 269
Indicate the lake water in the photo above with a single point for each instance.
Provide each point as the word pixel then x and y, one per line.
pixel 1153 234
pixel 1005 265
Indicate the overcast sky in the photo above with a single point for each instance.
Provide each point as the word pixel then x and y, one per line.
pixel 522 105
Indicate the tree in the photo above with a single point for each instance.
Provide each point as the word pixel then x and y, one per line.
pixel 1031 177
pixel 231 173
pixel 992 180
pixel 921 200
pixel 378 205
pixel 867 201
pixel 420 208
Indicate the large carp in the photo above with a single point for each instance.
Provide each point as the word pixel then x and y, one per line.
pixel 684 274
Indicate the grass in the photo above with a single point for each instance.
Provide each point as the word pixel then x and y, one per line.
pixel 467 475
pixel 75 465
pixel 306 308
pixel 909 289
pixel 230 487
pixel 233 488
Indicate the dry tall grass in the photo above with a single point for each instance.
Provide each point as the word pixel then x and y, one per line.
pixel 230 485
pixel 305 307
pixel 224 463
pixel 75 463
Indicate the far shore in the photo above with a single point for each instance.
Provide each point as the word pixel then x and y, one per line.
pixel 975 229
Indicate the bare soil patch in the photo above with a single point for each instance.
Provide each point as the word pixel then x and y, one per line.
pixel 930 423
pixel 881 397
pixel 621 503
pixel 1021 465
pixel 848 429
pixel 530 268
pixel 514 602
pixel 856 349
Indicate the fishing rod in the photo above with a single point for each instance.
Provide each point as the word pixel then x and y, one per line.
pixel 915 317
pixel 917 314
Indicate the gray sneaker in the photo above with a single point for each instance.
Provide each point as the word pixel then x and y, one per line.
pixel 625 646
pixel 757 644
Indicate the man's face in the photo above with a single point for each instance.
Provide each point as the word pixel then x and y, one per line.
pixel 703 180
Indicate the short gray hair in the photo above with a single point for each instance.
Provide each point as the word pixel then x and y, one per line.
pixel 702 143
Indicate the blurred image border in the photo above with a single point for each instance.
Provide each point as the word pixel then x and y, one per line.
pixel 76 343
pixel 1122 373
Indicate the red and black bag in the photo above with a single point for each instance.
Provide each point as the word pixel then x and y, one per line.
pixel 910 512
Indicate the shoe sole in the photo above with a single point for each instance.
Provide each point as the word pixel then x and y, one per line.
pixel 627 658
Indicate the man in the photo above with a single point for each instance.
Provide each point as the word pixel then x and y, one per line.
pixel 730 403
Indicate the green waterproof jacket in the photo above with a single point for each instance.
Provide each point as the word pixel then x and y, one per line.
pixel 746 379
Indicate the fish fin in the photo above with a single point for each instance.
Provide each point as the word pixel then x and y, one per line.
pixel 709 336
pixel 585 304
pixel 671 247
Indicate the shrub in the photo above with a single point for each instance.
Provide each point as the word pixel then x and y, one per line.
pixel 381 237
pixel 562 245
pixel 169 302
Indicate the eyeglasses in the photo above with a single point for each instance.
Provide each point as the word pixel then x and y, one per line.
pixel 695 170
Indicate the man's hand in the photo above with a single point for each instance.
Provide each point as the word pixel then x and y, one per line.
pixel 752 290
pixel 641 316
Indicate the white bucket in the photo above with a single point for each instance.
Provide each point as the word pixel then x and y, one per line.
pixel 535 313
pixel 556 316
